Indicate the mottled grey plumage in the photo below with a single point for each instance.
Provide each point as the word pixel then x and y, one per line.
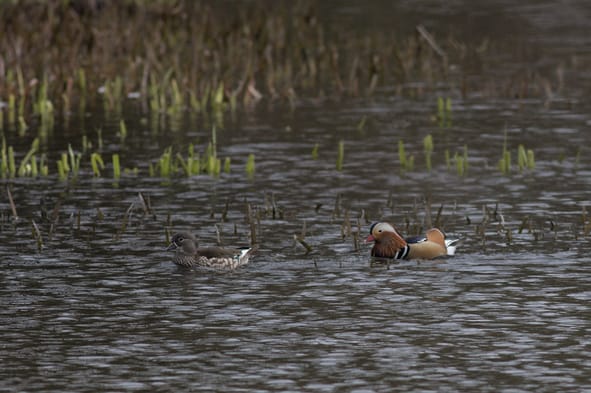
pixel 188 254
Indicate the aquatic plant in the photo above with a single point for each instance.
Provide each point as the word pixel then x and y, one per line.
pixel 340 155
pixel 97 164
pixel 11 110
pixel 37 235
pixel 361 124
pixel 406 163
pixel 462 162
pixel 116 166
pixel 428 146
pixel 505 161
pixel 250 166
pixel 525 158
pixel 165 164
pixel 28 165
pixel 192 164
pixel 444 111
pixel 122 130
pixel 6 168
pixel 315 151
pixel 402 155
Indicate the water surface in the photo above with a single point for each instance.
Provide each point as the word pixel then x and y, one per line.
pixel 102 308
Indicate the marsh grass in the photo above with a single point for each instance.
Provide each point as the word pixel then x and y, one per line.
pixel 219 61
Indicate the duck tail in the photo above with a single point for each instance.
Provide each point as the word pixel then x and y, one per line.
pixel 246 252
pixel 451 245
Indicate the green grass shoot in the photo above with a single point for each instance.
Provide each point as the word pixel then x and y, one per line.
pixel 63 168
pixel 43 167
pixel 11 109
pixel 227 162
pixel 444 111
pixel 116 166
pixel 315 151
pixel 99 135
pixel 122 130
pixel 531 161
pixel 340 155
pixel 74 160
pixel 525 158
pixel 428 145
pixel 24 168
pixel 505 161
pixel 461 161
pixel 218 98
pixel 406 163
pixel 82 81
pixel 165 163
pixel 4 163
pixel 11 162
pixel 361 125
pixel 96 161
pixel 250 166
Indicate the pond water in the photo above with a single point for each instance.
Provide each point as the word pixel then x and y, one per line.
pixel 102 308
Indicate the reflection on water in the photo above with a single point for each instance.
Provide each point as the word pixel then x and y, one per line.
pixel 101 307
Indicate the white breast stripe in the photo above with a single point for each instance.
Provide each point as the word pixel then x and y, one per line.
pixel 402 253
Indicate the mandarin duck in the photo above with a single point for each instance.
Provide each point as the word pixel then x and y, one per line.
pixel 388 243
pixel 189 254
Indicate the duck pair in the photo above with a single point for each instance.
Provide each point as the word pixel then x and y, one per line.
pixel 388 243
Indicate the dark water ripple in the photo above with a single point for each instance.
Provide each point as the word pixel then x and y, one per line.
pixel 472 322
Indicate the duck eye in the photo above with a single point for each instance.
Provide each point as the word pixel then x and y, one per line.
pixel 380 231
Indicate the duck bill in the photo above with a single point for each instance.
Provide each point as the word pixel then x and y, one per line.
pixel 171 246
pixel 370 239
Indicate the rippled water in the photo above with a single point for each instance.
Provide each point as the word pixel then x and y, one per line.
pixel 102 308
pixel 476 322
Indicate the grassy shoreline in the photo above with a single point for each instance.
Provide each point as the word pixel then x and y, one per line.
pixel 191 55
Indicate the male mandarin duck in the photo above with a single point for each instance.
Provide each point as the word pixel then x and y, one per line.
pixel 388 243
pixel 188 254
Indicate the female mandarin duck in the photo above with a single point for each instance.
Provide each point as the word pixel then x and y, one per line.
pixel 388 243
pixel 188 254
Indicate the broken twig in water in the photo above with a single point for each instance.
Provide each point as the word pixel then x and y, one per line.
pixel 12 205
pixel 431 41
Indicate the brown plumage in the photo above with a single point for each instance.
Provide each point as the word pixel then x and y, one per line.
pixel 189 254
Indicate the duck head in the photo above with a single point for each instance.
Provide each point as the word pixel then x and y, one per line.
pixel 387 241
pixel 183 242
